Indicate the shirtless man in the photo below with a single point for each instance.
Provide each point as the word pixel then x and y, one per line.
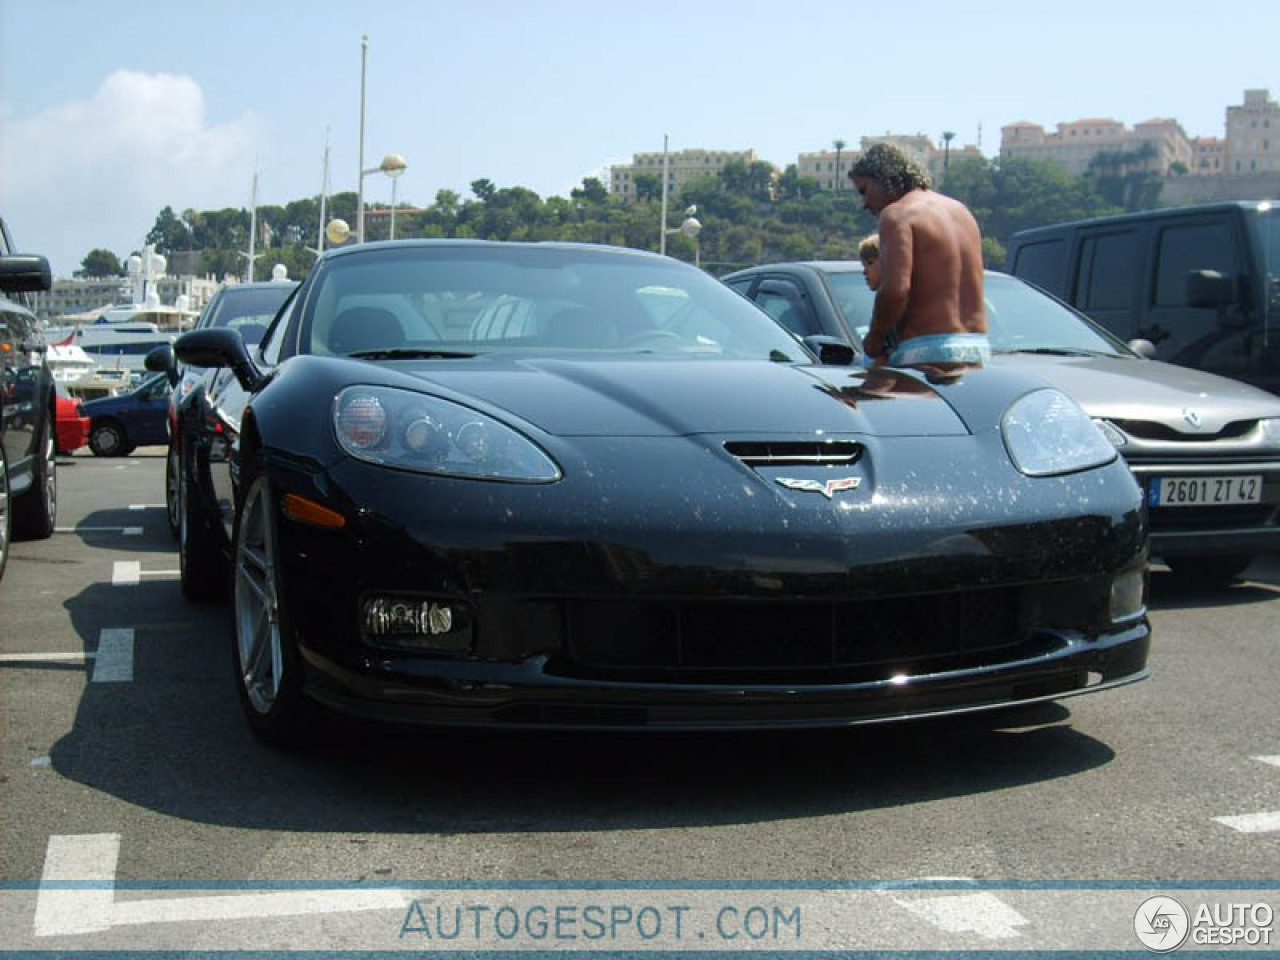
pixel 929 307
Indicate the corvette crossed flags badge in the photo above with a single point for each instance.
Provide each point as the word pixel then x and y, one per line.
pixel 815 486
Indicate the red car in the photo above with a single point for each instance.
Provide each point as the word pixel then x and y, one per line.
pixel 71 426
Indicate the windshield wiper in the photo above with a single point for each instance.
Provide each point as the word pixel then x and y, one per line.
pixel 1057 352
pixel 405 353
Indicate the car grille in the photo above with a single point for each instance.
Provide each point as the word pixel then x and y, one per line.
pixel 829 453
pixel 712 640
pixel 1152 430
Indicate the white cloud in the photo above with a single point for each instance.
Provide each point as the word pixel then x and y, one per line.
pixel 94 173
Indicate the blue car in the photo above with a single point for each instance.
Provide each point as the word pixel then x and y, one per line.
pixel 119 424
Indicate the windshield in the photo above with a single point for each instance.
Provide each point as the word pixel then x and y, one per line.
pixel 1019 317
pixel 249 310
pixel 477 299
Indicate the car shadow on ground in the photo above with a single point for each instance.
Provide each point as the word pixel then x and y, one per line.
pixel 1259 584
pixel 173 741
pixel 101 529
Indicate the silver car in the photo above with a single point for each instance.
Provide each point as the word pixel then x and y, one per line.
pixel 1205 449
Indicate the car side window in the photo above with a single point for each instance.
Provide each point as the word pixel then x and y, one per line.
pixel 1184 249
pixel 1043 264
pixel 271 345
pixel 1110 265
pixel 784 302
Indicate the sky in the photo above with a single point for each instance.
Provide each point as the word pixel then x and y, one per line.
pixel 111 111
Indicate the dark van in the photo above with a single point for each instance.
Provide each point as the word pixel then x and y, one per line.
pixel 1201 283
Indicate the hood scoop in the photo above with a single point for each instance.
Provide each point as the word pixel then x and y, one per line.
pixel 795 453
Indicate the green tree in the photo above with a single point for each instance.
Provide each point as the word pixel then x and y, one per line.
pixel 648 187
pixel 483 189
pixel 99 262
pixel 169 234
pixel 592 191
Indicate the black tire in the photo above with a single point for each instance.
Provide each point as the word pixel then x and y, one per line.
pixel 264 655
pixel 108 439
pixel 172 468
pixel 201 567
pixel 35 512
pixel 1216 571
pixel 6 513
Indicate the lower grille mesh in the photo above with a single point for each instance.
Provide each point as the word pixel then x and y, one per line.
pixel 738 637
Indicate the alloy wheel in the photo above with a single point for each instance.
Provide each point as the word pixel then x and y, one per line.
pixel 258 641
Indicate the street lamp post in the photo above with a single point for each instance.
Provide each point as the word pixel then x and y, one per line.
pixel 947 137
pixel 662 236
pixel 839 145
pixel 364 60
pixel 690 227
pixel 392 165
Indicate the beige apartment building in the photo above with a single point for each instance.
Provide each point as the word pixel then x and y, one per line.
pixel 682 167
pixel 1253 135
pixel 1251 144
pixel 1074 145
pixel 70 296
pixel 832 171
pixel 1209 156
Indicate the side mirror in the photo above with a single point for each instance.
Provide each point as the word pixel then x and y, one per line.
pixel 220 347
pixel 1143 348
pixel 1209 289
pixel 161 360
pixel 23 273
pixel 831 351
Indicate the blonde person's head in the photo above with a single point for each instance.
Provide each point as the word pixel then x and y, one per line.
pixel 869 249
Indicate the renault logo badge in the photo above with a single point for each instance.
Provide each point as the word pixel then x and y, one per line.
pixel 1192 417
pixel 813 486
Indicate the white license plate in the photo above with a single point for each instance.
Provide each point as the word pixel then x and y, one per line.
pixel 1205 491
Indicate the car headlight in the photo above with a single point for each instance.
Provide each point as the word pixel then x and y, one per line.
pixel 1112 433
pixel 1270 431
pixel 412 431
pixel 1046 434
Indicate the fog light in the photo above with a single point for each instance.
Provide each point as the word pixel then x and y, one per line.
pixel 1128 591
pixel 417 623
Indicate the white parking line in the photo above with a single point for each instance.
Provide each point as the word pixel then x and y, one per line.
pixel 1255 822
pixel 115 657
pixel 127 531
pixel 126 573
pixel 129 573
pixel 87 907
pixel 984 914
pixel 46 657
pixel 77 895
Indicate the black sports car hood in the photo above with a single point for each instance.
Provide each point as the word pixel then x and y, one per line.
pixel 654 397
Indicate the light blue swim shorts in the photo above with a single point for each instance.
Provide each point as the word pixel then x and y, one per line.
pixel 942 348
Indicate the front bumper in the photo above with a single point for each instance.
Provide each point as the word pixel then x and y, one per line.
pixel 526 696
pixel 722 611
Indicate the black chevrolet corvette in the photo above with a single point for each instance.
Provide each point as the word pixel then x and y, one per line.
pixel 533 485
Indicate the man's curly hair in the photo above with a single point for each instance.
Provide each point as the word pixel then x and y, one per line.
pixel 893 168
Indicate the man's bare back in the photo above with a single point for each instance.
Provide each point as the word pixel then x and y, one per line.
pixel 930 261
